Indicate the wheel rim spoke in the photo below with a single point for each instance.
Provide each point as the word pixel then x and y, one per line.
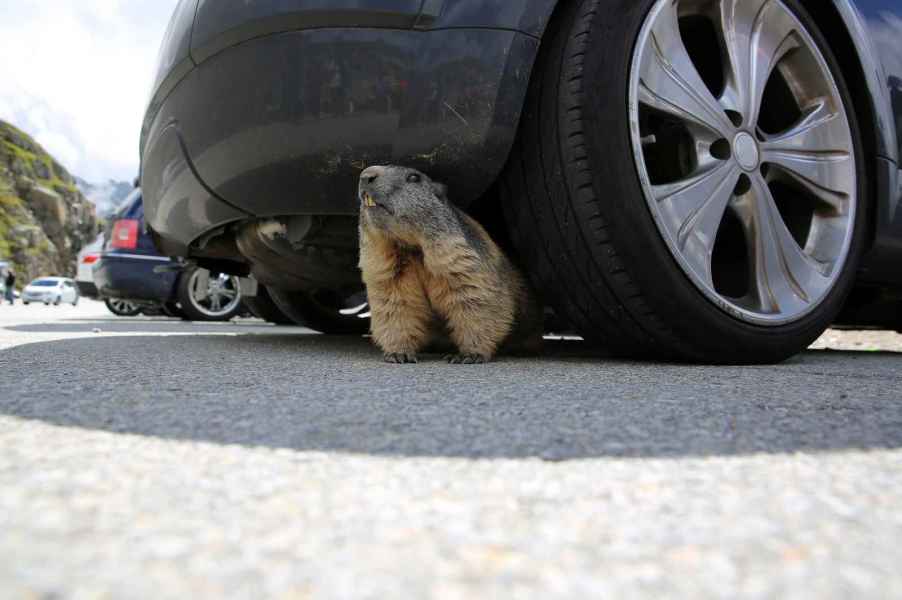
pixel 757 35
pixel 199 292
pixel 785 277
pixel 815 154
pixel 693 211
pixel 825 175
pixel 670 82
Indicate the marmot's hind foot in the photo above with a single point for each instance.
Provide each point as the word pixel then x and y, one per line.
pixel 466 359
pixel 400 358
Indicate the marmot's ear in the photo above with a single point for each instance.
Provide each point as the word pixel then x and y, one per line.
pixel 440 190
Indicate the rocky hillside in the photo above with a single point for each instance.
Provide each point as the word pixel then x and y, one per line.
pixel 44 218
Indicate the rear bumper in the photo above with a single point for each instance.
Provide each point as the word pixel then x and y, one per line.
pixel 132 278
pixel 283 124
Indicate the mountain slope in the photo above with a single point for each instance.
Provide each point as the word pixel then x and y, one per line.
pixel 44 219
pixel 106 197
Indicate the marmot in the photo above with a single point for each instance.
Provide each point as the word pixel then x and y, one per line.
pixel 432 272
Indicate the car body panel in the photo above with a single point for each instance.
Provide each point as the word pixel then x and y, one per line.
pixel 133 277
pixel 174 59
pixel 184 207
pixel 446 101
pixel 875 27
pixel 526 16
pixel 882 22
pixel 224 23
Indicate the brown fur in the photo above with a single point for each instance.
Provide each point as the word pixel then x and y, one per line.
pixel 443 275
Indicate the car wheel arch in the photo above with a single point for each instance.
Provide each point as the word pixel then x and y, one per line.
pixel 835 27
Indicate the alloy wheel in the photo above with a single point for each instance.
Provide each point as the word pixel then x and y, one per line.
pixel 745 154
pixel 122 306
pixel 213 294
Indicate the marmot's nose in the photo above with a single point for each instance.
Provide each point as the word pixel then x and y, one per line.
pixel 371 174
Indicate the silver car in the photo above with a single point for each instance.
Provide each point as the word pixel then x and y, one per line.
pixel 51 290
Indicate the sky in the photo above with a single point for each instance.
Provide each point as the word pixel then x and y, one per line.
pixel 76 75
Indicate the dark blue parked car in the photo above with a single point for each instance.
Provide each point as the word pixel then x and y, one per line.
pixel 131 276
pixel 707 180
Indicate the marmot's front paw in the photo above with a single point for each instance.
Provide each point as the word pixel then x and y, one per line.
pixel 466 359
pixel 400 358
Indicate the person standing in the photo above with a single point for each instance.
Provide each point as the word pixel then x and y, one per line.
pixel 10 286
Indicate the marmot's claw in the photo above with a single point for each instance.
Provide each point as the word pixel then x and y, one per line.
pixel 400 358
pixel 466 359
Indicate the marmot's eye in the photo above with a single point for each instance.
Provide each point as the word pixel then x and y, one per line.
pixel 413 178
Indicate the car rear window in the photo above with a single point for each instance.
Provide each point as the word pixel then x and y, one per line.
pixel 44 283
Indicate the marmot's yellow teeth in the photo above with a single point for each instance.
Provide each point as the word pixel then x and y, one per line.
pixel 368 200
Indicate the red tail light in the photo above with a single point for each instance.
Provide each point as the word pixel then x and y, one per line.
pixel 90 259
pixel 125 234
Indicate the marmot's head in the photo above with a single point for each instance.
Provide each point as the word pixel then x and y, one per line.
pixel 399 199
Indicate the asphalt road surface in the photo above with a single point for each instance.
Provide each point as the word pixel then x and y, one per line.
pixel 147 458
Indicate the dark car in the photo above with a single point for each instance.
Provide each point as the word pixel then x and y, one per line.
pixel 710 181
pixel 132 277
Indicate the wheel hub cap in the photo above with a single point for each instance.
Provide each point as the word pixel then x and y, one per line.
pixel 745 149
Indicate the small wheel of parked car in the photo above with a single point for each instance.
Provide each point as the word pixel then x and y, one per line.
pixel 208 296
pixel 122 308
pixel 690 184
pixel 326 311
pixel 263 307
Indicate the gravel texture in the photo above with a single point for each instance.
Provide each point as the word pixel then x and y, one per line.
pixel 159 459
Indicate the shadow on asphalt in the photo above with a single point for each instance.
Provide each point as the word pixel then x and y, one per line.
pixel 325 393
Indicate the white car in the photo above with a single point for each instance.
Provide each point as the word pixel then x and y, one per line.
pixel 49 290
pixel 87 258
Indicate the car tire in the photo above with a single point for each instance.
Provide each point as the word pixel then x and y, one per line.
pixel 263 307
pixel 122 308
pixel 319 311
pixel 578 208
pixel 220 300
